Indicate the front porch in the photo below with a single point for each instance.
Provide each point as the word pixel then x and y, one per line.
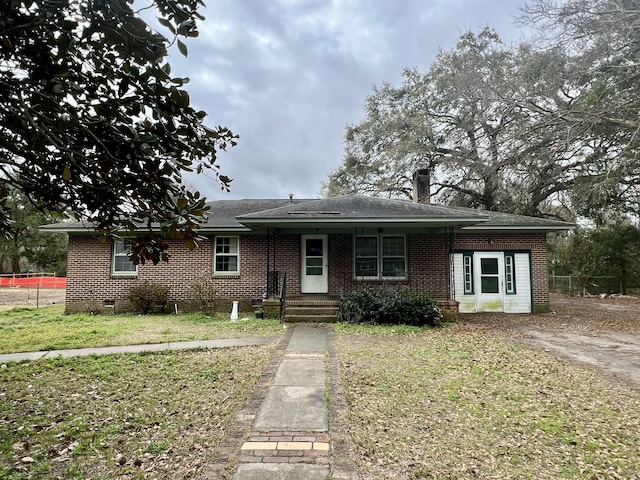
pixel 319 308
pixel 304 308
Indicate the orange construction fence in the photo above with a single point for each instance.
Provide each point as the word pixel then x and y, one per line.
pixel 32 281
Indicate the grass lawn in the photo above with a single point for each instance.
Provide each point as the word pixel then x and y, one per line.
pixel 454 403
pixel 134 416
pixel 48 328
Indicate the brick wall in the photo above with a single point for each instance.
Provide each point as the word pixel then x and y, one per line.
pixel 90 283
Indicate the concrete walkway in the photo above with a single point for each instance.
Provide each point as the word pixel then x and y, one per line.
pixel 290 434
pixel 289 430
pixel 152 347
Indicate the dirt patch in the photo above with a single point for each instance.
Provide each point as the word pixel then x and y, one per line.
pixel 600 331
pixel 11 297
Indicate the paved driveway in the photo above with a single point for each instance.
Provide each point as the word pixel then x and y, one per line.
pixel 600 331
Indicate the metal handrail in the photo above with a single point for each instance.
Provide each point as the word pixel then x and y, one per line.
pixel 283 296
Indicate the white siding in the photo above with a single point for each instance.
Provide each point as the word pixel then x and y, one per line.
pixel 521 301
pixel 518 303
pixel 467 302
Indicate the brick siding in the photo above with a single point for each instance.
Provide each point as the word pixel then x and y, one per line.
pixel 90 282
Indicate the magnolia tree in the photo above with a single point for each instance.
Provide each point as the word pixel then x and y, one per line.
pixel 92 122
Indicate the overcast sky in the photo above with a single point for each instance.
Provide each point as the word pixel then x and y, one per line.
pixel 289 75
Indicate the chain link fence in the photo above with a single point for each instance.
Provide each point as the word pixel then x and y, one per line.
pixel 580 285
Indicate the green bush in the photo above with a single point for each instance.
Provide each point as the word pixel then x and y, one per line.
pixel 205 295
pixel 385 306
pixel 144 296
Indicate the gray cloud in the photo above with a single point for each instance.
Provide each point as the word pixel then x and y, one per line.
pixel 289 75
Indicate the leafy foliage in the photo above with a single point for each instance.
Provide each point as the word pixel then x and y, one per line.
pixel 595 96
pixel 547 127
pixel 25 248
pixel 387 306
pixel 611 250
pixel 92 121
pixel 459 120
pixel 144 296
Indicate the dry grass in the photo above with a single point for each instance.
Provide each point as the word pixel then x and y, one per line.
pixel 459 403
pixel 156 415
pixel 48 328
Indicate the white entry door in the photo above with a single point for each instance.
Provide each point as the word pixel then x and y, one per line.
pixel 314 278
pixel 489 277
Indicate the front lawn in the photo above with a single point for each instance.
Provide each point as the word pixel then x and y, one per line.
pixel 452 403
pixel 152 415
pixel 48 328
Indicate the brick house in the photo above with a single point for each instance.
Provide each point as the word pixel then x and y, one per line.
pixel 320 249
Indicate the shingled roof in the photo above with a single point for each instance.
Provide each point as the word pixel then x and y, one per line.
pixel 347 211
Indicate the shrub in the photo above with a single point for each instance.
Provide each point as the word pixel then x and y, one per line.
pixel 145 295
pixel 205 295
pixel 385 306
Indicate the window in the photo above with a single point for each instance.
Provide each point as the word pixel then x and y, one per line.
pixel 380 256
pixel 122 265
pixel 489 276
pixel 467 272
pixel 509 274
pixel 226 256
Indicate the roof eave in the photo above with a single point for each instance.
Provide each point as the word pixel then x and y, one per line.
pixel 368 220
pixel 545 228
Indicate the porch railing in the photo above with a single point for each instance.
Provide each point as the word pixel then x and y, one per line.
pixel 273 283
pixel 417 282
pixel 283 297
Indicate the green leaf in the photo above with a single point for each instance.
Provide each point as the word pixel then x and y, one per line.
pixel 182 203
pixel 183 48
pixel 166 23
pixel 181 97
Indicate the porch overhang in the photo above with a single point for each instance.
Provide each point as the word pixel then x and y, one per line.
pixel 351 223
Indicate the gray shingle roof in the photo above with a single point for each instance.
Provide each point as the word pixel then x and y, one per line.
pixel 348 210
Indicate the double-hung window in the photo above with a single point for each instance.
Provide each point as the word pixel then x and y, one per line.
pixel 226 256
pixel 121 263
pixel 380 256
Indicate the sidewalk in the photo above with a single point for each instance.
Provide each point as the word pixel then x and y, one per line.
pixel 152 347
pixel 287 430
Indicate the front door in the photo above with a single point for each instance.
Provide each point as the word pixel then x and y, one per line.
pixel 314 278
pixel 489 278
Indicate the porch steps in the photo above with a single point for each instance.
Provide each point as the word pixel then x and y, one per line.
pixel 309 310
pixel 311 314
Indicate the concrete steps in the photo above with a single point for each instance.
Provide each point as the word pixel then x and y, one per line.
pixel 311 314
pixel 307 310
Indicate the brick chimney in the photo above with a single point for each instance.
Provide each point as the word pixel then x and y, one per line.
pixel 422 186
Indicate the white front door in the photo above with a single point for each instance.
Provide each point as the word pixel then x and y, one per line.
pixel 314 278
pixel 489 278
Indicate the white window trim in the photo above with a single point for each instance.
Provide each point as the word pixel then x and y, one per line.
pixel 379 257
pixel 509 274
pixel 215 256
pixel 118 273
pixel 467 273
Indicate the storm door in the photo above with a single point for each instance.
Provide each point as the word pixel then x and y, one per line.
pixel 314 278
pixel 489 281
